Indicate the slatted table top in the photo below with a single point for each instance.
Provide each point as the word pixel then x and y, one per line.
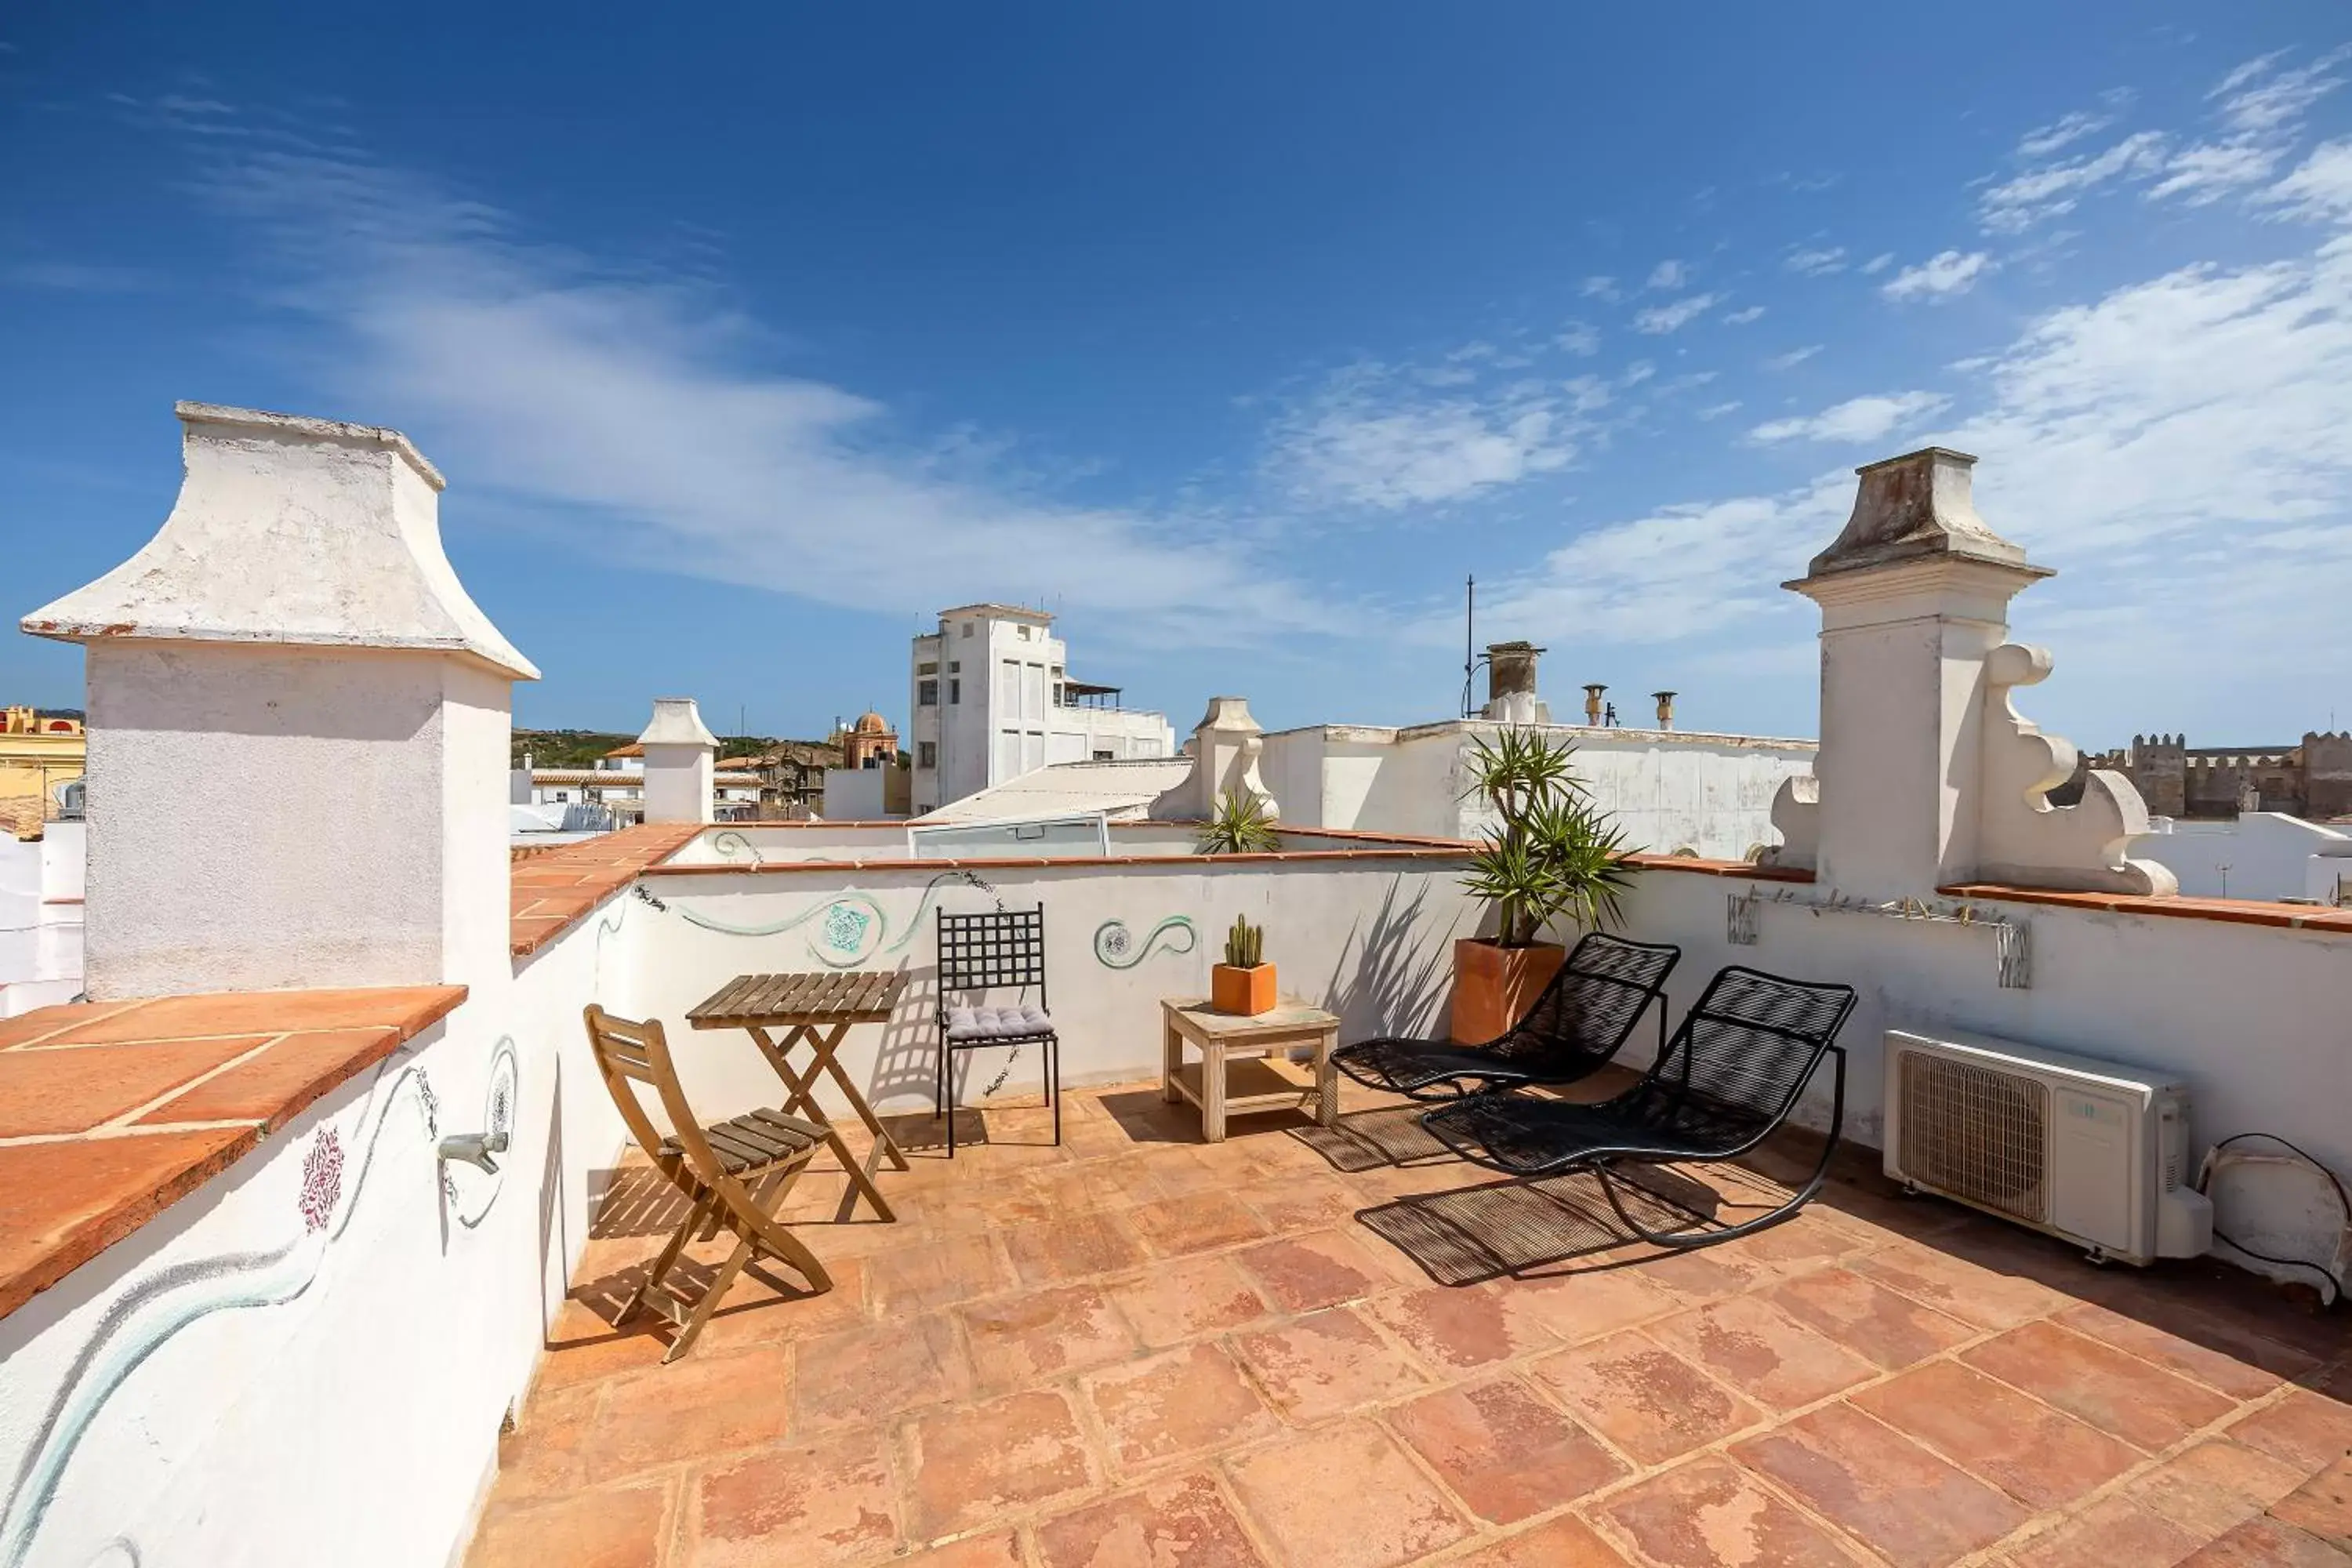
pixel 833 997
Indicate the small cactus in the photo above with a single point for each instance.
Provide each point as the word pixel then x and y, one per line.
pixel 1244 944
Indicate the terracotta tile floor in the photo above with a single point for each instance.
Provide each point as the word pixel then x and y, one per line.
pixel 1137 1351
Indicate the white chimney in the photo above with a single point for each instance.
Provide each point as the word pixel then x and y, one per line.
pixel 298 726
pixel 1927 774
pixel 679 750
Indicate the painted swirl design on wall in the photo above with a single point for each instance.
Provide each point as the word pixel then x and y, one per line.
pixel 146 1316
pixel 1116 947
pixel 843 930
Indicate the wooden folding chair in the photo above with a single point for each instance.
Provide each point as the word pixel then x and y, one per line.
pixel 716 1168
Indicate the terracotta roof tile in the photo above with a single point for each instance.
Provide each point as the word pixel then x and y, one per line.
pixel 84 1084
pixel 551 893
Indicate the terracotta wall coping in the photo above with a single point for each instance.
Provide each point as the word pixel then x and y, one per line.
pixel 549 893
pixel 1041 862
pixel 112 1112
pixel 2231 912
pixel 1747 869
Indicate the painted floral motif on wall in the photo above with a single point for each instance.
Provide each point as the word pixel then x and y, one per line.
pixel 322 1179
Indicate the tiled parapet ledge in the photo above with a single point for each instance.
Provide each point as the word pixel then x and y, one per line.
pixel 111 1112
pixel 552 891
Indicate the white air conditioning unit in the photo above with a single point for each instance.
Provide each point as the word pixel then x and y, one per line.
pixel 2086 1149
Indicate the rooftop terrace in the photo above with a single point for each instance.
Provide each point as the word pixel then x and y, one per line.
pixel 1137 1348
pixel 317 1225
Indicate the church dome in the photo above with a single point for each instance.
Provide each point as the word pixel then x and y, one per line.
pixel 871 723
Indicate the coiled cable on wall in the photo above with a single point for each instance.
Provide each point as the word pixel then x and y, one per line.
pixel 2343 1200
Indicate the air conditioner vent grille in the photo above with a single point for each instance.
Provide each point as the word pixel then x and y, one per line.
pixel 1976 1133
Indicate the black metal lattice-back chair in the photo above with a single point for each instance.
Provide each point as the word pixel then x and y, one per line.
pixel 1583 1017
pixel 1732 1074
pixel 986 955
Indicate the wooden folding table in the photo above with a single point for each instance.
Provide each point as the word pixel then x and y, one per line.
pixel 816 1010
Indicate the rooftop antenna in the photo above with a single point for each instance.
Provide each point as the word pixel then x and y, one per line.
pixel 1469 638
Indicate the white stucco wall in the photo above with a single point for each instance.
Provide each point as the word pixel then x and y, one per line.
pixel 229 1386
pixel 1668 790
pixel 321 848
pixel 853 795
pixel 2260 855
pixel 1321 919
pixel 2251 1016
pixel 40 918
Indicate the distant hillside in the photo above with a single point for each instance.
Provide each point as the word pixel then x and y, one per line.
pixel 580 748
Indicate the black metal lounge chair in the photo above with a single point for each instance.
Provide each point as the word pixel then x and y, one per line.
pixel 1574 1029
pixel 1732 1074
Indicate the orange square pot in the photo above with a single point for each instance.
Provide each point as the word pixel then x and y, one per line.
pixel 1247 992
pixel 1494 986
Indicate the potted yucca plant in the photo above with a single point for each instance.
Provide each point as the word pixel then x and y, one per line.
pixel 1239 826
pixel 1551 855
pixel 1243 983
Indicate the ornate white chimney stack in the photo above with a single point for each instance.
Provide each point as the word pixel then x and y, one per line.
pixel 1926 775
pixel 1227 745
pixel 298 726
pixel 679 750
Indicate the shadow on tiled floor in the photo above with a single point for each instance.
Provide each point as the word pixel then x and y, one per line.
pixel 1134 1348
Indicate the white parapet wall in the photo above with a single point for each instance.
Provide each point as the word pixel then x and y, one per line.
pixel 309 1359
pixel 2259 855
pixel 40 918
pixel 1367 936
pixel 1669 791
pixel 2250 1016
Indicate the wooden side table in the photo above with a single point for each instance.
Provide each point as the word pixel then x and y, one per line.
pixel 1232 1077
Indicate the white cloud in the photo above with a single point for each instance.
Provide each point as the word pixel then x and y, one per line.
pixel 2261 110
pixel 2208 171
pixel 1742 318
pixel 1793 358
pixel 1684 571
pixel 1601 288
pixel 1366 439
pixel 1719 410
pixel 2181 449
pixel 2017 203
pixel 1640 370
pixel 1675 315
pixel 653 415
pixel 2320 187
pixel 1668 274
pixel 2061 132
pixel 1878 264
pixel 1578 338
pixel 2258 100
pixel 1940 277
pixel 1856 419
pixel 1586 394
pixel 1816 263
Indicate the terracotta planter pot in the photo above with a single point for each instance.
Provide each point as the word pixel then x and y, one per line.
pixel 1494 985
pixel 1247 992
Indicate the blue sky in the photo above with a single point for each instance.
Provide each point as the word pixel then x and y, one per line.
pixel 1237 334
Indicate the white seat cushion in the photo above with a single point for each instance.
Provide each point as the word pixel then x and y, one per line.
pixel 966 1022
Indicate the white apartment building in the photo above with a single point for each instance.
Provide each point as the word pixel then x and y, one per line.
pixel 992 699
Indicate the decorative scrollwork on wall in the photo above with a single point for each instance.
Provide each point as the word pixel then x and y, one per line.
pixel 1116 947
pixel 844 930
pixel 731 845
pixel 144 1318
